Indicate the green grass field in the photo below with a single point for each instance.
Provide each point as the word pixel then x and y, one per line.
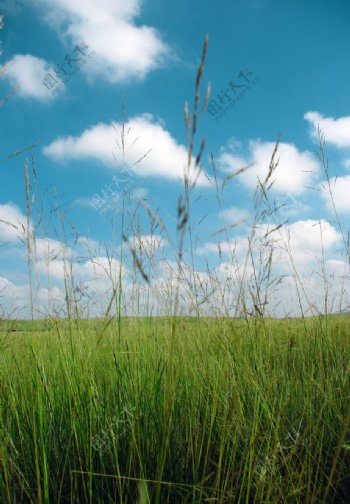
pixel 220 410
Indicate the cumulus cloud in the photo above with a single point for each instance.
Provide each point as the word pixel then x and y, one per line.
pixel 336 131
pixel 99 267
pixel 237 247
pixel 10 290
pixel 53 294
pixel 297 273
pixel 12 223
pixel 123 49
pixel 53 258
pixel 292 207
pixel 99 273
pixel 49 249
pixel 340 187
pixel 27 74
pixel 233 214
pixel 304 241
pixel 147 140
pixel 307 241
pixel 55 268
pixel 295 170
pixel 219 290
pixel 147 243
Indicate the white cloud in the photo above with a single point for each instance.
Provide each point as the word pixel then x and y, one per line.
pixel 54 268
pixel 97 143
pixel 123 50
pixel 99 274
pixel 53 294
pixel 12 223
pixel 96 269
pixel 49 249
pixel 312 234
pixel 228 271
pixel 336 131
pixel 292 207
pixel 219 290
pixel 11 290
pixel 229 162
pixel 295 169
pixel 28 72
pixel 338 267
pixel 52 258
pixel 307 239
pixel 299 249
pixel 87 244
pixel 147 243
pixel 99 267
pixel 165 157
pixel 233 214
pixel 237 247
pixel 340 187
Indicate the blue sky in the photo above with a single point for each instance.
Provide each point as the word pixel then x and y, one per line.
pixel 296 53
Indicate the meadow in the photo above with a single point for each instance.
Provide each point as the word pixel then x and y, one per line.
pixel 231 411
